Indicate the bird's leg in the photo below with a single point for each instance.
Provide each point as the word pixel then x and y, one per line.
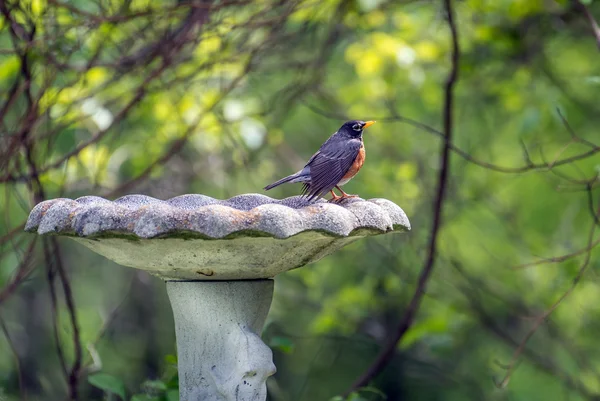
pixel 345 195
pixel 335 197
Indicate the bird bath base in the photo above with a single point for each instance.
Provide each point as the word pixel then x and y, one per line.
pixel 220 354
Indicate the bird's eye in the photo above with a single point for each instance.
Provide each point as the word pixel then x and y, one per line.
pixel 356 127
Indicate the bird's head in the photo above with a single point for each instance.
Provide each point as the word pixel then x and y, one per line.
pixel 354 128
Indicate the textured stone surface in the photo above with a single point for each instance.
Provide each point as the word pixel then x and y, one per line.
pixel 196 237
pixel 220 354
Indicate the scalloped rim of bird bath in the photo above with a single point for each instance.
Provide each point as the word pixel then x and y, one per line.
pixel 195 237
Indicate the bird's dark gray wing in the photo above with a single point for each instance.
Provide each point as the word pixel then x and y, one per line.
pixel 329 165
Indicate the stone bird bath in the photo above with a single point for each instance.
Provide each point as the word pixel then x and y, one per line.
pixel 218 258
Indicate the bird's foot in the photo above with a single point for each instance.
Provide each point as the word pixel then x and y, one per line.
pixel 339 199
pixel 344 194
pixel 334 198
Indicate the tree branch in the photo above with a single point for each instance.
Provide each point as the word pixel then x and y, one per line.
pixel 387 352
pixel 528 166
pixel 592 21
pixel 542 318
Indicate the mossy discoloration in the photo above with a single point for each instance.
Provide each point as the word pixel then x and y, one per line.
pixel 191 235
pixel 115 234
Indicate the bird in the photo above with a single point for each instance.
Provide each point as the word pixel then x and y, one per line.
pixel 336 162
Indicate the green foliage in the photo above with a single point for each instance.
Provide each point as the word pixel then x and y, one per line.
pixel 108 383
pixel 295 78
pixel 282 344
pixel 356 395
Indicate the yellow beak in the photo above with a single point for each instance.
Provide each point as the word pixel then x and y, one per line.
pixel 368 124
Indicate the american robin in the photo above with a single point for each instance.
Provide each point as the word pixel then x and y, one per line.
pixel 335 163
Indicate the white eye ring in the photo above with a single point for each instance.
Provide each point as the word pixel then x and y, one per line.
pixel 356 127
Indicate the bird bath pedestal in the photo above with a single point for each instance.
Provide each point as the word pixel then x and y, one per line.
pixel 218 259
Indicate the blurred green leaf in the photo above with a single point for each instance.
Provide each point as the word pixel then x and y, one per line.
pixel 282 344
pixel 154 387
pixel 108 383
pixel 173 395
pixel 373 390
pixel 355 397
pixel 143 397
pixel 593 79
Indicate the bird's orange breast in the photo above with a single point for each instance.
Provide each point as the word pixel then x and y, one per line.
pixel 358 163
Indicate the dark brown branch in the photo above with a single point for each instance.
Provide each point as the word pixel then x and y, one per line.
pixel 12 233
pixel 594 209
pixel 69 300
pixel 179 143
pixel 592 21
pixel 118 18
pixel 406 322
pixel 14 92
pixel 23 270
pixel 173 41
pixel 197 17
pixel 50 277
pixel 75 151
pixel 571 132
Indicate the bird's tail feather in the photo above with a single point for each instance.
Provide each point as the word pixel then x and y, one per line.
pixel 289 178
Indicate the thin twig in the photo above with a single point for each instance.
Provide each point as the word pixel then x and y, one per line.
pixel 562 258
pixel 69 300
pixel 90 366
pixel 542 318
pixel 572 133
pixel 528 166
pixel 50 275
pixel 22 389
pixel 179 143
pixel 23 271
pixel 542 361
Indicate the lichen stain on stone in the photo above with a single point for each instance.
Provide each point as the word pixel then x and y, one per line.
pixel 313 209
pixel 240 217
pixel 208 272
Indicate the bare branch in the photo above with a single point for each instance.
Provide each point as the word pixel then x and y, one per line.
pixel 529 166
pixel 591 20
pixel 22 390
pixel 69 300
pixel 542 361
pixel 23 271
pixel 406 322
pixel 542 318
pixel 562 258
